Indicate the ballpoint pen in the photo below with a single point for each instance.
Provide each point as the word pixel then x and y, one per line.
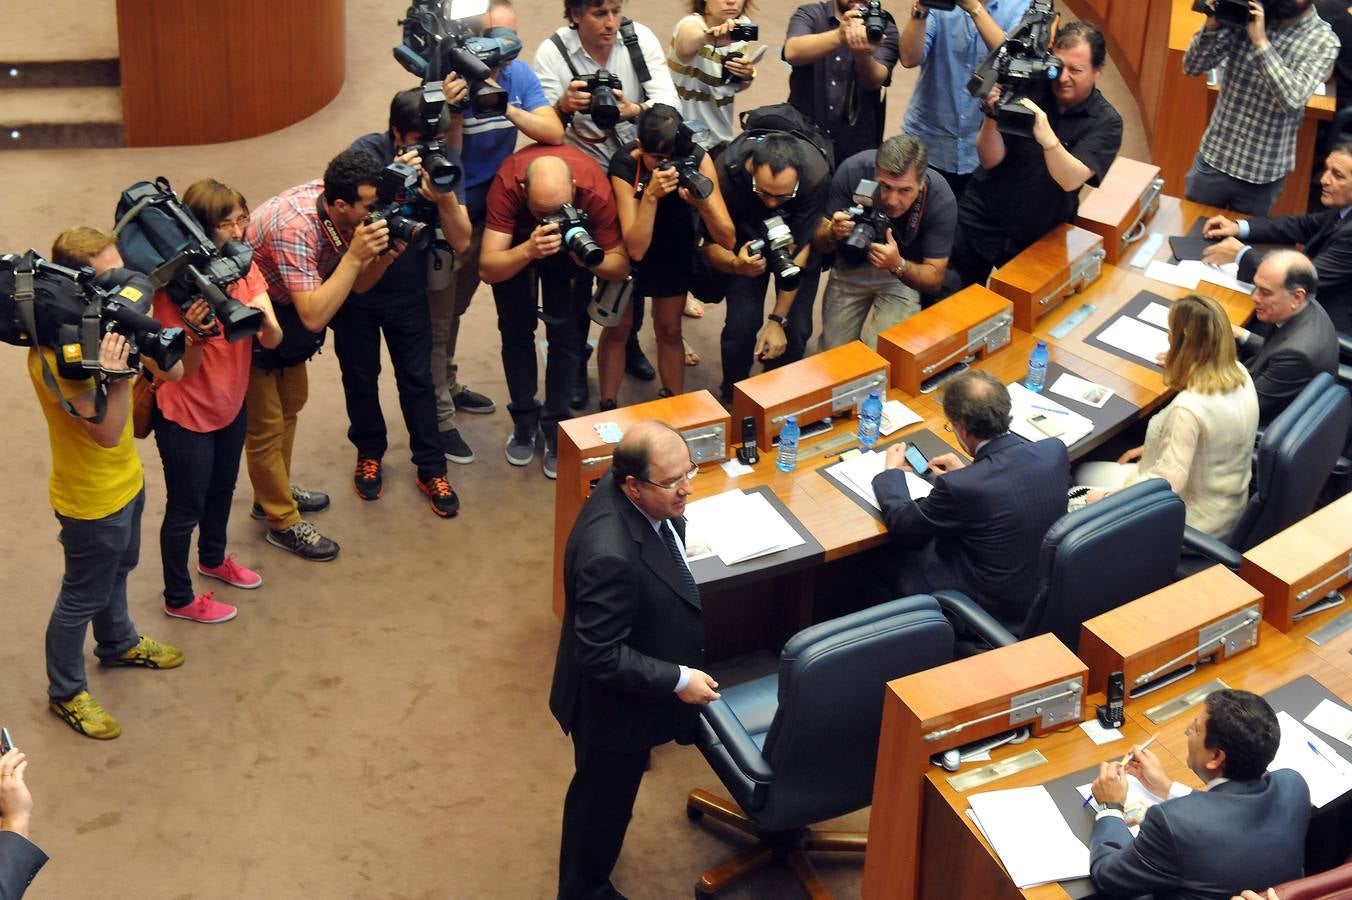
pixel 1126 756
pixel 1311 745
pixel 1052 410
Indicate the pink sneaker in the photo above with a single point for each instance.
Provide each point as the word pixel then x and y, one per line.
pixel 233 574
pixel 204 608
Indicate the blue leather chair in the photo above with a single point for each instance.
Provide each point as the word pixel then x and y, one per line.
pixel 800 747
pixel 1092 560
pixel 1295 457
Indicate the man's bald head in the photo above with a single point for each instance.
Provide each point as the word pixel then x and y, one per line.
pixel 501 15
pixel 650 455
pixel 1285 281
pixel 549 185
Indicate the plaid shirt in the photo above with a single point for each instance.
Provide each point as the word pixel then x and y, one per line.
pixel 1252 133
pixel 289 244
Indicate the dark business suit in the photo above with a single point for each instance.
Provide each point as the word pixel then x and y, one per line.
pixel 1283 360
pixel 1208 845
pixel 20 860
pixel 629 622
pixel 980 529
pixel 1327 241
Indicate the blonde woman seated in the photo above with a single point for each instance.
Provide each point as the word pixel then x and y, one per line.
pixel 1201 442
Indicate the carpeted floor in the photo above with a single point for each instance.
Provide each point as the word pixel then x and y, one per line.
pixel 375 726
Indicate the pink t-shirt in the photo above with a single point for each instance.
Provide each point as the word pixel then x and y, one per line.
pixel 210 398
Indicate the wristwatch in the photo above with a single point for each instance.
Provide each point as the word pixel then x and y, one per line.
pixel 919 12
pixel 1115 806
pixel 901 267
pixel 776 318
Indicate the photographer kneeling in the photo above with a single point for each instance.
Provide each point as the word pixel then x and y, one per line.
pixel 551 225
pixel 891 240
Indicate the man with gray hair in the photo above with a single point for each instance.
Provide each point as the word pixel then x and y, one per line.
pixel 891 242
pixel 980 528
pixel 1293 340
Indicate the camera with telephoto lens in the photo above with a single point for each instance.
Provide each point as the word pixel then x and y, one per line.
pixel 875 20
pixel 1023 66
pixel 689 135
pixel 604 108
pixel 73 309
pixel 398 184
pixel 777 248
pixel 744 31
pixel 572 224
pixel 870 225
pixel 436 45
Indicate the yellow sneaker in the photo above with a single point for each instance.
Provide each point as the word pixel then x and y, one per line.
pixel 84 714
pixel 150 654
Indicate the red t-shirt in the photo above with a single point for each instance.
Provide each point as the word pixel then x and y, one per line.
pixel 507 210
pixel 211 397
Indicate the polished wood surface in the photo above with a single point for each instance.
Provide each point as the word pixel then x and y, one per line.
pixel 1115 210
pixel 803 387
pixel 1039 279
pixel 928 701
pixel 934 338
pixel 1303 557
pixel 202 73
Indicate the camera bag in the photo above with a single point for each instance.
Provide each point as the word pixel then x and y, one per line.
pixel 150 231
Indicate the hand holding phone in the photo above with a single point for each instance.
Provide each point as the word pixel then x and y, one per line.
pixel 6 744
pixel 916 459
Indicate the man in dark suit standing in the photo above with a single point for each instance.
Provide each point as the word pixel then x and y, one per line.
pixel 1246 829
pixel 1293 340
pixel 980 528
pixel 625 679
pixel 1325 236
pixel 20 858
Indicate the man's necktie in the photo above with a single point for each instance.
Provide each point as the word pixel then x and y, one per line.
pixel 687 579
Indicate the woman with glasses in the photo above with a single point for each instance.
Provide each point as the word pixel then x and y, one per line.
pixel 1201 442
pixel 660 219
pixel 200 422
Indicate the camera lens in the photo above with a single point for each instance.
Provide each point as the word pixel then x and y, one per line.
pixel 164 348
pixel 855 248
pixel 410 231
pixel 489 100
pixel 696 182
pixel 581 245
pixel 443 173
pixel 604 109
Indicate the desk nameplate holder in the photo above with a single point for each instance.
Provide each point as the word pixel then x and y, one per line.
pixel 1331 630
pixel 1052 705
pixel 995 771
pixel 1179 705
pixel 1233 634
pixel 990 335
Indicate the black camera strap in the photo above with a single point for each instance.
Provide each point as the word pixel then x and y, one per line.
pixel 23 301
pixel 330 230
pixel 629 35
pixel 911 228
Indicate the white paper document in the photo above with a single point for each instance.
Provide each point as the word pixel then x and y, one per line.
pixel 1226 276
pixel 1030 836
pixel 857 475
pixel 1328 775
pixel 1138 801
pixel 1160 270
pixel 1082 391
pixel 1334 719
pixel 897 415
pixel 1143 341
pixel 1155 314
pixel 1098 734
pixel 1028 404
pixel 736 526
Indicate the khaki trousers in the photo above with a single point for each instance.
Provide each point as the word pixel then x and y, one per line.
pixel 274 400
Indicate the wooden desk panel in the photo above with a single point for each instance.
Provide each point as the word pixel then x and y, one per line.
pixel 1311 555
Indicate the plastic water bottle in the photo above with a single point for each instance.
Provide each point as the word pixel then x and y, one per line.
pixel 788 445
pixel 1037 368
pixel 870 420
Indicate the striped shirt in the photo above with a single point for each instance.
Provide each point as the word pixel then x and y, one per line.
pixel 700 86
pixel 289 244
pixel 1252 133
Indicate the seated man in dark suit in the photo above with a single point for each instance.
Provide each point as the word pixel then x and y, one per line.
pixel 980 528
pixel 1246 829
pixel 1325 236
pixel 20 858
pixel 1293 340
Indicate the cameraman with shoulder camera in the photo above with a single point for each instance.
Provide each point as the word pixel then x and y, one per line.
pixel 97 489
pixel 1276 53
pixel 1028 185
pixel 314 246
pixel 397 304
pixel 891 244
pixel 842 53
pixel 551 226
pixel 775 187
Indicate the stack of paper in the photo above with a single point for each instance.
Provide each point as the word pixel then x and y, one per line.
pixel 1028 404
pixel 1333 719
pixel 1328 774
pixel 1030 835
pixel 857 475
pixel 1137 338
pixel 736 526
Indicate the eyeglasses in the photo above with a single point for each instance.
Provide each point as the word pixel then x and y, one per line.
pixel 675 482
pixel 241 222
pixel 766 195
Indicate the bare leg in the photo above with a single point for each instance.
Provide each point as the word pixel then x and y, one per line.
pixel 667 313
pixel 610 355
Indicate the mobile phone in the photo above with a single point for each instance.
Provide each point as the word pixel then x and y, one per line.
pixel 747 454
pixel 1113 715
pixel 916 459
pixel 759 54
pixel 1043 423
pixel 6 743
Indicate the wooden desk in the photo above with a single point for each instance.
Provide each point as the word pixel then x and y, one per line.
pixel 1298 566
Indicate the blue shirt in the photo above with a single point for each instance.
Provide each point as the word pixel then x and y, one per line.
pixel 487 142
pixel 942 113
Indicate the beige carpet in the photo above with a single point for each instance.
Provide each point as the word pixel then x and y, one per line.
pixel 371 727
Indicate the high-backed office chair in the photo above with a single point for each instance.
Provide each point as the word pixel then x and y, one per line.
pixel 1093 560
pixel 800 747
pixel 1295 457
pixel 1335 884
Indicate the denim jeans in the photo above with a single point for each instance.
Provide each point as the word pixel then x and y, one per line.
pixel 1205 183
pixel 199 483
pixel 746 315
pixel 100 553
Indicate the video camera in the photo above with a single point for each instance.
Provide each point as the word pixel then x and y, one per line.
pixel 1234 13
pixel 604 108
pixel 159 237
pixel 572 224
pixel 72 309
pixel 398 184
pixel 435 44
pixel 870 225
pixel 777 248
pixel 1023 66
pixel 689 135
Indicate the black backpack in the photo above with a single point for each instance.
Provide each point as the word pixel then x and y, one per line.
pixel 785 118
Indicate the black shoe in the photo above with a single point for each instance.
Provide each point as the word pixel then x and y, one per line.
pixel 306 502
pixel 366 479
pixel 636 364
pixel 473 402
pixel 440 495
pixel 455 448
pixel 303 540
pixel 521 445
pixel 607 405
pixel 549 462
pixel 578 399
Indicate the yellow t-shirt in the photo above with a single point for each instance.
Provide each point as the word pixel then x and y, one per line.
pixel 87 481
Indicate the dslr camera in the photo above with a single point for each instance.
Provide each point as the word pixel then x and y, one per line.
pixel 777 248
pixel 744 31
pixel 398 185
pixel 577 239
pixel 435 45
pixel 689 135
pixel 875 20
pixel 870 225
pixel 1023 66
pixel 604 109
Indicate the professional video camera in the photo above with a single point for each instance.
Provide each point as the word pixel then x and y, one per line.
pixel 70 310
pixel 396 189
pixel 744 31
pixel 158 236
pixel 572 224
pixel 435 45
pixel 1023 66
pixel 689 135
pixel 870 225
pixel 1234 13
pixel 875 20
pixel 604 109
pixel 777 248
